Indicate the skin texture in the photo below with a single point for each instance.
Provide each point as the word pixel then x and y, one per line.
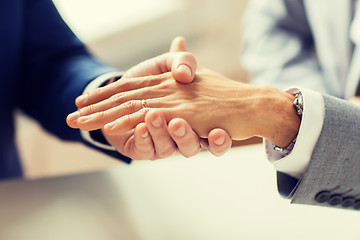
pixel 152 141
pixel 210 101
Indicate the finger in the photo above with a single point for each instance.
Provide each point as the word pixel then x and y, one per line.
pixel 125 123
pixel 186 139
pixel 72 118
pixel 99 119
pixel 95 115
pixel 182 66
pixel 178 44
pixel 219 142
pixel 163 143
pixel 122 143
pixel 183 70
pixel 143 144
pixel 116 101
pixel 123 85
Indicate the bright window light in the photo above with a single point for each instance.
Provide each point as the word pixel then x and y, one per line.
pixel 94 19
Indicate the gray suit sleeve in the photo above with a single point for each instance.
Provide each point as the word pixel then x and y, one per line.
pixel 278 46
pixel 333 176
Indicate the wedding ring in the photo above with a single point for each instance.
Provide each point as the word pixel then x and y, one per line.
pixel 144 103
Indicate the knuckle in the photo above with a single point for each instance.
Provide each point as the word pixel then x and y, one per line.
pixel 144 146
pixel 143 149
pixel 166 85
pixel 125 84
pixel 117 98
pixel 130 105
pixel 89 110
pixel 127 119
pixel 101 115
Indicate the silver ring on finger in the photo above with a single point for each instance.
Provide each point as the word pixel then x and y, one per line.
pixel 144 103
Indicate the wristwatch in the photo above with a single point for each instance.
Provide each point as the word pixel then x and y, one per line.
pixel 299 108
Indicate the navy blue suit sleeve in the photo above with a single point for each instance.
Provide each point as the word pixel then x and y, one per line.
pixel 286 184
pixel 56 69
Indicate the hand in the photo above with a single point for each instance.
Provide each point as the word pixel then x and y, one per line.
pixel 181 133
pixel 205 103
pixel 140 143
pixel 149 142
pixel 152 140
pixel 210 101
pixel 183 70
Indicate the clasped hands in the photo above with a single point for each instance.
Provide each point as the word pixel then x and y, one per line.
pixel 133 112
pixel 148 135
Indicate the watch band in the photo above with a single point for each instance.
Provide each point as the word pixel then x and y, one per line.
pixel 299 108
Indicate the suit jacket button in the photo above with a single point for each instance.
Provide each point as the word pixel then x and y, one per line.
pixel 357 204
pixel 322 196
pixel 348 202
pixel 335 199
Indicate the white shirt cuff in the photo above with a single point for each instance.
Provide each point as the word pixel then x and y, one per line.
pixel 295 163
pixel 97 82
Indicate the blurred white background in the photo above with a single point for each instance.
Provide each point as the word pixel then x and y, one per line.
pixel 123 33
pixel 100 19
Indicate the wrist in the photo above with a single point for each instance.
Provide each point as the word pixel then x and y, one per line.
pixel 281 122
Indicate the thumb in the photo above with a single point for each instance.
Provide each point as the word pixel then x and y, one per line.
pixel 178 45
pixel 184 67
pixel 181 63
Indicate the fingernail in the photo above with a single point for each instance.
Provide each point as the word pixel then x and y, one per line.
pixel 180 132
pixel 184 68
pixel 145 135
pixel 220 140
pixel 81 99
pixel 109 125
pixel 73 116
pixel 157 122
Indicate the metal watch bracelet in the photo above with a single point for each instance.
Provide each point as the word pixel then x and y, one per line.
pixel 299 108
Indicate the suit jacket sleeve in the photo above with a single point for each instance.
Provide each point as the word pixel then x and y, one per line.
pixel 279 46
pixel 332 177
pixel 56 68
